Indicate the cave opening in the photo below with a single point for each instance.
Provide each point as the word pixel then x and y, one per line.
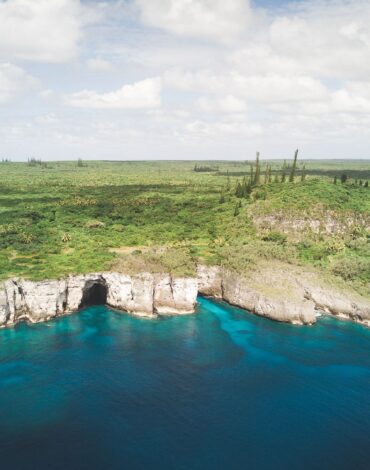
pixel 94 293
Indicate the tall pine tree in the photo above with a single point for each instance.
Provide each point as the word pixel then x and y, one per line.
pixel 294 166
pixel 283 172
pixel 303 174
pixel 258 170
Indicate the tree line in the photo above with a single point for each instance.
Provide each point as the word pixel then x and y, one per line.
pixel 205 168
pixel 257 174
pixel 344 179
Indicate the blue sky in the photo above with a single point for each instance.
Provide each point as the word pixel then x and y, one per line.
pixel 186 79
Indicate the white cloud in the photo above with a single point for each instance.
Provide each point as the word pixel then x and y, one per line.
pixel 329 39
pixel 218 19
pixel 41 30
pixel 228 71
pixel 46 94
pixel 139 95
pixel 262 59
pixel 224 128
pixel 13 81
pixel 47 119
pixel 256 88
pixel 98 64
pixel 353 98
pixel 227 104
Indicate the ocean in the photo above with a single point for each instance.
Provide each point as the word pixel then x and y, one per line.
pixel 220 389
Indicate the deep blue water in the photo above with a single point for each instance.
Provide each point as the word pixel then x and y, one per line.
pixel 222 389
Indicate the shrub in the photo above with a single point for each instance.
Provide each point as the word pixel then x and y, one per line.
pixel 175 261
pixel 66 237
pixel 241 256
pixel 94 224
pixel 26 238
pixel 259 194
pixel 276 237
pixel 352 268
pixel 118 227
pixel 334 245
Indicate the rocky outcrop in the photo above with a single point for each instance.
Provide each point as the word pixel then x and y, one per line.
pixel 281 295
pixel 133 294
pixel 210 281
pixel 236 292
pixel 297 299
pixel 326 222
pixel 173 296
pixel 34 301
pixel 143 295
pixel 340 305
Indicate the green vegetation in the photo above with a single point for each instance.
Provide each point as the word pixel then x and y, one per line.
pixel 73 217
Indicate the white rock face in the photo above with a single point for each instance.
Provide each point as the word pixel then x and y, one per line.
pixel 174 296
pixel 43 299
pixel 231 287
pixel 133 294
pixel 237 292
pixel 4 307
pixel 210 281
pixel 34 301
pixel 338 304
pixel 328 222
pixel 142 295
pixel 151 295
pixel 74 291
pixel 120 293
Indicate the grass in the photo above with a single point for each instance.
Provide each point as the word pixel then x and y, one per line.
pixel 61 218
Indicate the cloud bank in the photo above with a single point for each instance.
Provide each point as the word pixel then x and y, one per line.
pixel 185 78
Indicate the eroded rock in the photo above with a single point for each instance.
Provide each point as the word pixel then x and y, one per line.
pixel 175 296
pixel 284 295
pixel 141 295
pixel 210 281
pixel 237 292
pixel 338 304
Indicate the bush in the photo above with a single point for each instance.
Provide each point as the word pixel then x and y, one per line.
pixel 240 257
pixel 94 224
pixel 351 268
pixel 276 237
pixel 334 245
pixel 175 261
pixel 118 227
pixel 259 194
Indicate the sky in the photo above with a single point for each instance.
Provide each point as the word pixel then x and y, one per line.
pixel 184 79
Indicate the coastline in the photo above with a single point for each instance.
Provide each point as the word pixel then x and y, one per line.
pixel 285 297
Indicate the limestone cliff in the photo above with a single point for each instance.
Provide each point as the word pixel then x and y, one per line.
pixel 236 290
pixel 336 303
pixel 143 295
pixel 281 295
pixel 284 294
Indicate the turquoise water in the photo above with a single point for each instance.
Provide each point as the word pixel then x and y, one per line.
pixel 222 389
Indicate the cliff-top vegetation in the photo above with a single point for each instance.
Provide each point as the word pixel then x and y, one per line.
pixel 58 218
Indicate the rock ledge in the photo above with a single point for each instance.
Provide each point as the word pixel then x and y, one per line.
pixel 150 295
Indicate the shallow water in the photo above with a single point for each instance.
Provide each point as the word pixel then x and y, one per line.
pixel 222 389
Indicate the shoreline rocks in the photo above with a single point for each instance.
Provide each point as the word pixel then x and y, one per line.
pixel 152 295
pixel 299 305
pixel 144 295
pixel 237 292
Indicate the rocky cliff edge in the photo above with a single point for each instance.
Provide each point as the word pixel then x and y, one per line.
pixel 281 295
